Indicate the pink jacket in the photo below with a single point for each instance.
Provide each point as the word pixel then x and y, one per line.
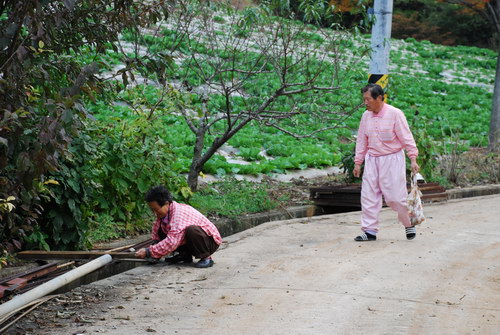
pixel 384 133
pixel 174 225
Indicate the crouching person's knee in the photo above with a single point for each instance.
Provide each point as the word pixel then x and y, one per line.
pixel 191 231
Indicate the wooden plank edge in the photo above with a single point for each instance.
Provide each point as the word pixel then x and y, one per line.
pixel 44 255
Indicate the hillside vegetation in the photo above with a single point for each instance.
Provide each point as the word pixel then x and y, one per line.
pixel 444 91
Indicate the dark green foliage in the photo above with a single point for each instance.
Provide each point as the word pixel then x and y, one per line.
pixel 41 109
pixel 322 12
pixel 35 142
pixel 347 161
pixel 101 183
pixel 440 22
pixel 65 204
pixel 427 150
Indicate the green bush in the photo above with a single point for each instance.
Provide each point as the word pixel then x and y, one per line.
pixel 131 157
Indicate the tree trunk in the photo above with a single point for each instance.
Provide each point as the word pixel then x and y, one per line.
pixel 194 170
pixel 199 160
pixel 192 179
pixel 495 112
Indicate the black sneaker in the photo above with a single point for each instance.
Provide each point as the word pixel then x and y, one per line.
pixel 411 232
pixel 204 263
pixel 180 257
pixel 365 237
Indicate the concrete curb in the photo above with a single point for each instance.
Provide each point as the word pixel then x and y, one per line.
pixel 232 226
pixel 229 227
pixel 474 191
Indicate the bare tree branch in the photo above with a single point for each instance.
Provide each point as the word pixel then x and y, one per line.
pixel 311 88
pixel 493 8
pixel 298 136
pixel 262 70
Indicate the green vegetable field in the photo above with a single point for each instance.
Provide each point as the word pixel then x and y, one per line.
pixel 445 92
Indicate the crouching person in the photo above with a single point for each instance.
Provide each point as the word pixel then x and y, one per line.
pixel 181 229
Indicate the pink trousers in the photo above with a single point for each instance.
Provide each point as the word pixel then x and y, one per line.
pixel 383 175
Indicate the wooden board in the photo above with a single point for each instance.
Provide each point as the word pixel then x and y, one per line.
pixel 43 255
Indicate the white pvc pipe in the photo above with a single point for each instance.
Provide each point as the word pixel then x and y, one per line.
pixel 53 285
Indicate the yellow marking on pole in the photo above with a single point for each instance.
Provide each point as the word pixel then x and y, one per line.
pixel 379 79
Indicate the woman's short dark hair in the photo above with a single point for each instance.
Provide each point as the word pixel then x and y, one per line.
pixel 374 89
pixel 160 194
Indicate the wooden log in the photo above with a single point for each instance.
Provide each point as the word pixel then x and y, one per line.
pixel 32 273
pixel 143 244
pixel 16 284
pixel 43 255
pixel 137 246
pixel 120 248
pixel 21 280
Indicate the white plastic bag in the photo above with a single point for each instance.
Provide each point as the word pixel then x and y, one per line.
pixel 415 208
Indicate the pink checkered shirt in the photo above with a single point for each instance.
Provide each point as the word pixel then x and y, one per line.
pixel 181 216
pixel 384 133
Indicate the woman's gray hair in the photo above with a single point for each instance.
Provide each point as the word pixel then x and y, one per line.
pixel 374 89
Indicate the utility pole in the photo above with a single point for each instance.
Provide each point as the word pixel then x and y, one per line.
pixel 380 43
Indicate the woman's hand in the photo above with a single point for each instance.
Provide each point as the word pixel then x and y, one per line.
pixel 141 253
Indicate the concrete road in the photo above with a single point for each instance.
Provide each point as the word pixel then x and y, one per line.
pixel 309 277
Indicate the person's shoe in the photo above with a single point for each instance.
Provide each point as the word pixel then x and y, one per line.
pixel 411 232
pixel 365 237
pixel 152 260
pixel 204 263
pixel 180 257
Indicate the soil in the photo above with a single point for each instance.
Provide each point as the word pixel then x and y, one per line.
pixel 474 167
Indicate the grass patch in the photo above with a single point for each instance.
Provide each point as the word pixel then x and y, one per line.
pixel 105 228
pixel 230 198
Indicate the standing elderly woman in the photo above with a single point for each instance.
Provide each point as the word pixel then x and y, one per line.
pixel 383 135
